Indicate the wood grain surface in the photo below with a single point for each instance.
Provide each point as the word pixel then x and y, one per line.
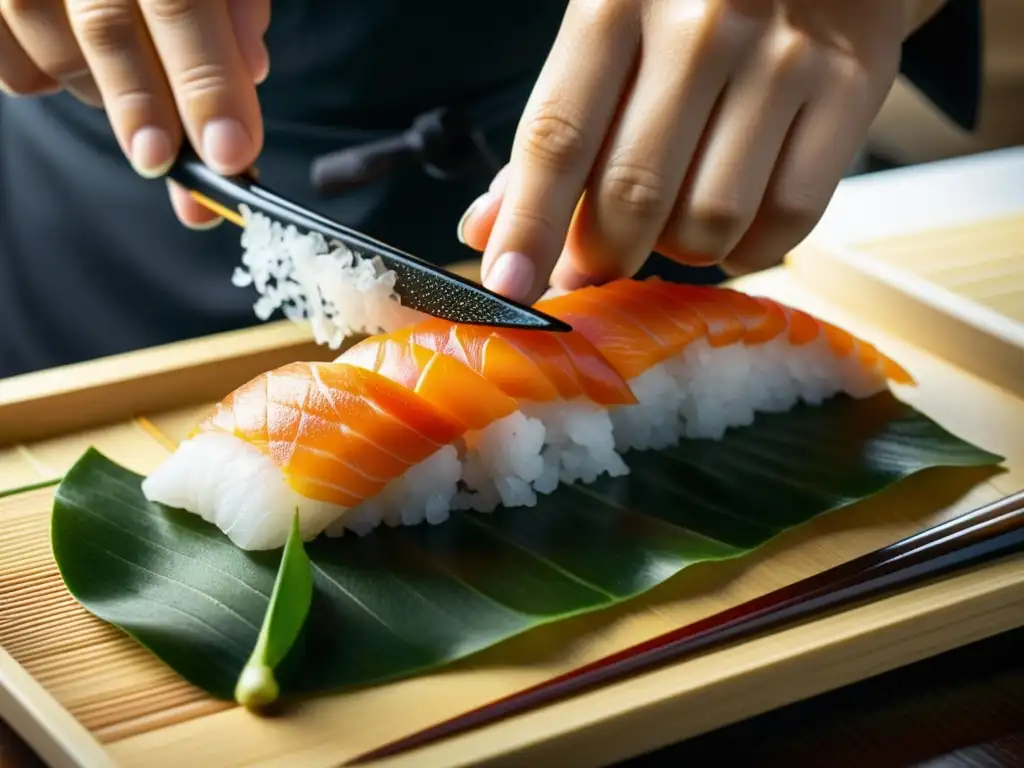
pixel 963 708
pixel 981 262
pixel 957 290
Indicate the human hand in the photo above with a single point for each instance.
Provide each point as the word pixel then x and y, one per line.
pixel 710 131
pixel 160 68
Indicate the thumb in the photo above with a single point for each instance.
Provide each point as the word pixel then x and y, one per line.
pixel 251 19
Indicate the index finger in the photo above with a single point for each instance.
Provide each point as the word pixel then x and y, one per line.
pixel 210 80
pixel 558 139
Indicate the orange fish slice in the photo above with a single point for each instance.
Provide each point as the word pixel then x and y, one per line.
pixel 627 345
pixel 444 381
pixel 724 326
pixel 339 433
pixel 527 365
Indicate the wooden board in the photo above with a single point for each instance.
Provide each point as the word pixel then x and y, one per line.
pixel 81 694
pixel 933 253
pixel 957 291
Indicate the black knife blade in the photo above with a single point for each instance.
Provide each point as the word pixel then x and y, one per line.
pixel 421 285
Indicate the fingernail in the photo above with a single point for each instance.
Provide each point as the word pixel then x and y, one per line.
pixel 499 181
pixel 511 275
pixel 203 227
pixel 460 230
pixel 227 146
pixel 152 153
pixel 264 71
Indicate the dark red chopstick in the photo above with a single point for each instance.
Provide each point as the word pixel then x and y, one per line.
pixel 982 535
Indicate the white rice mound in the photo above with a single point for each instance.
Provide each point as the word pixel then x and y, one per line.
pixel 717 388
pixel 653 422
pixel 423 493
pixel 579 444
pixel 704 391
pixel 238 488
pixel 500 463
pixel 338 291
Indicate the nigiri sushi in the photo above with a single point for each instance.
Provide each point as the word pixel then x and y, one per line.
pixel 703 359
pixel 501 455
pixel 559 379
pixel 346 447
pixel 407 426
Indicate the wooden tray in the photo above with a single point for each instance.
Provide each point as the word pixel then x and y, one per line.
pixel 82 694
pixel 957 291
pixel 934 253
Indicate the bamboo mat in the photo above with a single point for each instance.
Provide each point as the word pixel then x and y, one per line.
pixel 81 693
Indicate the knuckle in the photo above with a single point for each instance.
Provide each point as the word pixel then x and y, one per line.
pixel 202 80
pixel 789 57
pixel 634 189
pixel 20 83
pixel 553 138
pixel 524 217
pixel 724 33
pixel 790 48
pixel 169 11
pixel 604 14
pixel 712 227
pixel 15 8
pixel 103 26
pixel 133 106
pixel 717 220
pixel 793 211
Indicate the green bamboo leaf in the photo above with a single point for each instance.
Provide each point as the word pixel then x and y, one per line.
pixel 409 599
pixel 289 606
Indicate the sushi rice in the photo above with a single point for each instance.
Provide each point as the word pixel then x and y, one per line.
pixel 341 293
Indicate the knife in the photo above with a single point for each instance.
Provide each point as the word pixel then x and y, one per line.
pixel 421 285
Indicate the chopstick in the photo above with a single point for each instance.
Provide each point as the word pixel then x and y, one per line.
pixel 976 537
pixel 221 210
pixel 421 285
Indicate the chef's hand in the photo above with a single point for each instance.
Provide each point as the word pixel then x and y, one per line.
pixel 710 131
pixel 160 68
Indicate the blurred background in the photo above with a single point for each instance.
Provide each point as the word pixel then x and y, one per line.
pixel 909 130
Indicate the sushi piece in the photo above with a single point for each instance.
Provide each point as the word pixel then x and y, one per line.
pixel 405 427
pixel 501 452
pixel 346 447
pixel 703 359
pixel 560 379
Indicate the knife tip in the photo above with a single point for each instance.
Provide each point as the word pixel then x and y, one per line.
pixel 557 326
pixel 528 318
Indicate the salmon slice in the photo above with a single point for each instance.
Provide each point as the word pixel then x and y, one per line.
pixel 805 328
pixel 339 433
pixel 706 311
pixel 723 326
pixel 631 337
pixel 536 366
pixel 637 324
pixel 444 381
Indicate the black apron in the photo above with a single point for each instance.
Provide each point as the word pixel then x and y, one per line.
pixel 93 262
